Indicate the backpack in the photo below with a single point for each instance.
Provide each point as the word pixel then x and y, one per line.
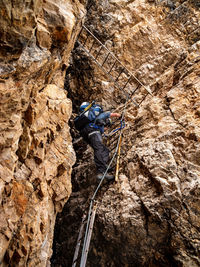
pixel 89 113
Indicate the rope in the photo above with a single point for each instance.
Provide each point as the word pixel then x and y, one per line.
pixel 122 126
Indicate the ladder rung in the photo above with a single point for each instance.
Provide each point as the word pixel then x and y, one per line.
pixel 135 90
pixel 113 148
pixel 112 66
pixel 127 82
pixel 142 100
pixel 116 120
pixel 105 59
pixel 86 38
pixel 114 123
pixel 114 140
pixel 112 145
pixel 119 75
pixel 99 52
pixel 92 45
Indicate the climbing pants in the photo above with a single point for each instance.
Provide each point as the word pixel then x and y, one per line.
pixel 101 152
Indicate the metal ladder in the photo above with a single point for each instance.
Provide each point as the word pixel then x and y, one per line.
pixel 88 231
pixel 117 73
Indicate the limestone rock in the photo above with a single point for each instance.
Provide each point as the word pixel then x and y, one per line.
pixel 151 217
pixel 36 154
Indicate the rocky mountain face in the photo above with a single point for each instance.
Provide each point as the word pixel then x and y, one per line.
pixel 36 153
pixel 151 216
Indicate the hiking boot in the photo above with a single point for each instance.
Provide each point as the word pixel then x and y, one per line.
pixel 108 177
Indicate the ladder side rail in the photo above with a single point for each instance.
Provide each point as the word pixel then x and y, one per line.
pixel 89 32
pixel 111 78
pixel 83 263
pixel 86 232
pixel 78 243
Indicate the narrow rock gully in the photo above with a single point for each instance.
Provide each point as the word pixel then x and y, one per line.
pixel 151 216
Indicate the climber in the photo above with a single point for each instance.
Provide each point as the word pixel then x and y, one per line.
pixel 92 134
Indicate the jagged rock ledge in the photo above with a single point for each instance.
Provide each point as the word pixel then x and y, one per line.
pixel 151 217
pixel 36 153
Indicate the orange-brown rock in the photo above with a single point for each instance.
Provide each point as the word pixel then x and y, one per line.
pixel 36 154
pixel 151 216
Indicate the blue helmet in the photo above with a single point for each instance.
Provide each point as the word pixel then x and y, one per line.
pixel 83 106
pixel 97 109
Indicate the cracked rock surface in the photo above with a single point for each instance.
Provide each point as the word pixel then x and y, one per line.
pixel 36 154
pixel 151 216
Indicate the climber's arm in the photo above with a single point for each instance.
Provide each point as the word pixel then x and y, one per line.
pixel 115 115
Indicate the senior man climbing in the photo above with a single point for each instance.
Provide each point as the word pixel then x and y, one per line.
pixel 92 127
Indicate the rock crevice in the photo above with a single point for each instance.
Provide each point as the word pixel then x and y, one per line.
pixel 150 218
